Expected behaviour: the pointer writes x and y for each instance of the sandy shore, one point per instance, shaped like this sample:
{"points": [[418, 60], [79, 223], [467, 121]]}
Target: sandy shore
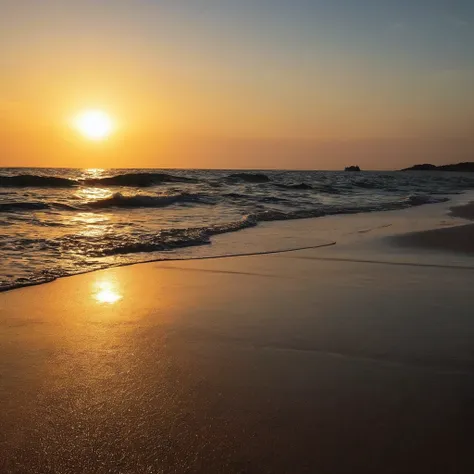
{"points": [[458, 239], [465, 211], [330, 360]]}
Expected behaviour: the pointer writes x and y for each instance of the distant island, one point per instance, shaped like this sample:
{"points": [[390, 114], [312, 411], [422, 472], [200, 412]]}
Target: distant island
{"points": [[352, 168], [467, 166]]}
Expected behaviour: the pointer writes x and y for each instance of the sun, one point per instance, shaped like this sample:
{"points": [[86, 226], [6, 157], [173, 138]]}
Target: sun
{"points": [[93, 124]]}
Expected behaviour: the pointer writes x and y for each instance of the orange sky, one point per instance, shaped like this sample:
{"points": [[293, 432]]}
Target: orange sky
{"points": [[229, 87]]}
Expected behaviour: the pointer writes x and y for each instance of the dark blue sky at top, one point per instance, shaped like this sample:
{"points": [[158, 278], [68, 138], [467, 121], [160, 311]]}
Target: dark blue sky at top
{"points": [[435, 33]]}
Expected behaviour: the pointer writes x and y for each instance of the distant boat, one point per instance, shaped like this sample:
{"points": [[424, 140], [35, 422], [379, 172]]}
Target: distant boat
{"points": [[352, 168]]}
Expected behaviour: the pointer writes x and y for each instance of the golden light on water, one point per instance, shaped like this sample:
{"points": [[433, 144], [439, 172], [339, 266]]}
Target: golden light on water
{"points": [[93, 172], [93, 194], [107, 292], [94, 125]]}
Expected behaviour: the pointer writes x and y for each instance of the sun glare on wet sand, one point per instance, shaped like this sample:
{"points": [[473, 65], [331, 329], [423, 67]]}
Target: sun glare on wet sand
{"points": [[107, 293]]}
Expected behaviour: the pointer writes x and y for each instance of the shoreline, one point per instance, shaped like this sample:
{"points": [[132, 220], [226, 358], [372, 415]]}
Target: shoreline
{"points": [[51, 234], [177, 259], [429, 238]]}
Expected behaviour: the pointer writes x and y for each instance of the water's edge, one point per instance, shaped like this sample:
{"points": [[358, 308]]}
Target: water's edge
{"points": [[177, 259]]}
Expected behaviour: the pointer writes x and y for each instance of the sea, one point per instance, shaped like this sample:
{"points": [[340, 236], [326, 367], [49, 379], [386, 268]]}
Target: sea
{"points": [[59, 222]]}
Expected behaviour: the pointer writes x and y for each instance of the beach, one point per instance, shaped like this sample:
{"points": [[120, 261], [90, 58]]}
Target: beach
{"points": [[355, 356], [236, 237]]}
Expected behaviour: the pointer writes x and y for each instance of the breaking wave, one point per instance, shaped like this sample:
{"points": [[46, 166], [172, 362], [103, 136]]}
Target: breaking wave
{"points": [[33, 206], [138, 180], [119, 200], [300, 186], [249, 177], [420, 199], [34, 181], [126, 179], [166, 240]]}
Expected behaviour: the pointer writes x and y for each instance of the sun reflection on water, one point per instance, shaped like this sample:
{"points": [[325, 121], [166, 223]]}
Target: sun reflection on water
{"points": [[92, 194], [90, 224], [106, 292], [93, 172]]}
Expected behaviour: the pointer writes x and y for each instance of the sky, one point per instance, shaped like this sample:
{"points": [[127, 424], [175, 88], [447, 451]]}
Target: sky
{"points": [[292, 84]]}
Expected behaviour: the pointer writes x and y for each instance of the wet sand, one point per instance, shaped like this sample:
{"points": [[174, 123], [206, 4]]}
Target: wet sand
{"points": [[301, 362], [457, 239], [465, 211]]}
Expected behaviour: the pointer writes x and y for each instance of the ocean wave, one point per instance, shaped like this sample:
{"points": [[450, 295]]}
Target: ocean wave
{"points": [[420, 199], [119, 200], [244, 223], [255, 198], [236, 196], [126, 179], [328, 189], [114, 244], [172, 239], [33, 206], [296, 187], [249, 177], [35, 181], [328, 210], [277, 215], [23, 206], [138, 180], [163, 241], [273, 200], [367, 184]]}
